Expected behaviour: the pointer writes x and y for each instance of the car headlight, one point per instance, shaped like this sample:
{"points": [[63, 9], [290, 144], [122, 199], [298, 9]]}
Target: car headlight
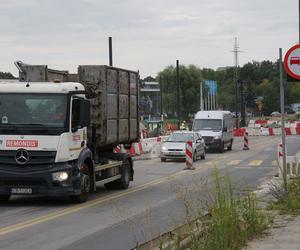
{"points": [[60, 176], [217, 137], [163, 148]]}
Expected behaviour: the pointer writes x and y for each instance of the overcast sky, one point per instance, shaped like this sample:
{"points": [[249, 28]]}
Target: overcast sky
{"points": [[147, 35]]}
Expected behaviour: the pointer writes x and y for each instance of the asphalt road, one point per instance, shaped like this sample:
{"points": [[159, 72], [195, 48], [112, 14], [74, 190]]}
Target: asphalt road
{"points": [[153, 204]]}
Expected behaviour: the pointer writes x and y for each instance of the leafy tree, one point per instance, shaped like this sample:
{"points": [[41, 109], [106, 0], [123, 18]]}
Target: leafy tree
{"points": [[260, 79], [190, 78]]}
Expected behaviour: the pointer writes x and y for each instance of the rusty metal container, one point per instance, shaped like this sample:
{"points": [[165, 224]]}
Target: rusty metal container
{"points": [[114, 106]]}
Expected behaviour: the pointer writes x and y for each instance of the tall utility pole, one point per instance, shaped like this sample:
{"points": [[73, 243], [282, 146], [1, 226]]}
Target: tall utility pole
{"points": [[110, 51], [243, 115], [161, 98], [178, 93], [236, 64]]}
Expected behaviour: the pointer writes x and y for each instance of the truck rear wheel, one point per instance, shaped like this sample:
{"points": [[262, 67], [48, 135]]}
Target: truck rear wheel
{"points": [[4, 198], [125, 179], [122, 183], [85, 186]]}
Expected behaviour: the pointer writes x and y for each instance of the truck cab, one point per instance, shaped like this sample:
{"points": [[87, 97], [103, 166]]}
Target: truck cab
{"points": [[48, 147]]}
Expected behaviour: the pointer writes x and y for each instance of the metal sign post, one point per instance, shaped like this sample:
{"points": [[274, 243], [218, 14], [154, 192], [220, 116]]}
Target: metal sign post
{"points": [[282, 121]]}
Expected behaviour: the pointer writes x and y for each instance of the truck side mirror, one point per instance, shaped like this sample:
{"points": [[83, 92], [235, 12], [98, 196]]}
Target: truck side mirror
{"points": [[225, 129], [85, 107]]}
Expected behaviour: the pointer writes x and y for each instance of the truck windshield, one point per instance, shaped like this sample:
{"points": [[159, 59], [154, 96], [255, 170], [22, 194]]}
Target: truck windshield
{"points": [[208, 124], [33, 110]]}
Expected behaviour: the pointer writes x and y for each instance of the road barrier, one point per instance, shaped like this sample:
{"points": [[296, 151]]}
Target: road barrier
{"points": [[292, 163], [148, 146], [261, 131], [189, 155], [246, 142], [292, 167]]}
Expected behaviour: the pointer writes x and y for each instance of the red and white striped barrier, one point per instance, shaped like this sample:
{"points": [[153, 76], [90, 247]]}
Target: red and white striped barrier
{"points": [[189, 155], [150, 146], [266, 131], [246, 141]]}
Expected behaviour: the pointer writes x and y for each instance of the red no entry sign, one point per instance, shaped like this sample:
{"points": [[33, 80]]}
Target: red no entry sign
{"points": [[292, 61]]}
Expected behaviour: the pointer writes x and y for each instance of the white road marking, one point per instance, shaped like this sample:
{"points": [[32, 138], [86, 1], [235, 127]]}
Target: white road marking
{"points": [[234, 162], [255, 163]]}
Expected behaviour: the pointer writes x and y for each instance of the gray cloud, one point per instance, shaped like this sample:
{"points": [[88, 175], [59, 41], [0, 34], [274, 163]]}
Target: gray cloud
{"points": [[147, 35]]}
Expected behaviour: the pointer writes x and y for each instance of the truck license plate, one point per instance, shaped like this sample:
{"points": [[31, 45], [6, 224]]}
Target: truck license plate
{"points": [[21, 190]]}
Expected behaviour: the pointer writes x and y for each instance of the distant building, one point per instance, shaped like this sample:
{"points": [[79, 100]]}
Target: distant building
{"points": [[149, 98]]}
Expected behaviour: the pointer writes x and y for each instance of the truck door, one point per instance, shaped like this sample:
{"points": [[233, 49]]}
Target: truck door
{"points": [[78, 133]]}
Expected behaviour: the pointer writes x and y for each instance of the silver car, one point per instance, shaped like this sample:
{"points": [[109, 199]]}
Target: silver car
{"points": [[174, 147]]}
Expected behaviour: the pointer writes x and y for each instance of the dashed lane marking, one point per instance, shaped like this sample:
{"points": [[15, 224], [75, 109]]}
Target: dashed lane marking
{"points": [[255, 163], [234, 162], [213, 162]]}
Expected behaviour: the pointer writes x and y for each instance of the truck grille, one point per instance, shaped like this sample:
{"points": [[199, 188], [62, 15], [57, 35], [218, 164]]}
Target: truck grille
{"points": [[36, 159], [22, 182]]}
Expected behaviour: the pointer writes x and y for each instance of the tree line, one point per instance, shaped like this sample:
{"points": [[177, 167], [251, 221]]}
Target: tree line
{"points": [[260, 83]]}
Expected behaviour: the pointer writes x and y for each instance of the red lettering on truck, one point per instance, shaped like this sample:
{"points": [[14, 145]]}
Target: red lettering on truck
{"points": [[22, 143]]}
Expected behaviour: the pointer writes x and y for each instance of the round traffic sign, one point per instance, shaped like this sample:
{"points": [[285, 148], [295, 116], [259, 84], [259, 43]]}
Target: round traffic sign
{"points": [[292, 61]]}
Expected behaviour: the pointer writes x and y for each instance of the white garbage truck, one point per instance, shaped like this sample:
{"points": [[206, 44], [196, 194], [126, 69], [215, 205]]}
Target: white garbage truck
{"points": [[58, 130]]}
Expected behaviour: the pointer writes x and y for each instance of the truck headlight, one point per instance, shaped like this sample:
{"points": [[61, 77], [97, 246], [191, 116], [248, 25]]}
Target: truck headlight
{"points": [[60, 176], [217, 137]]}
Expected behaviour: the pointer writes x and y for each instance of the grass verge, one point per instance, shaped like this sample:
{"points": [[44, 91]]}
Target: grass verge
{"points": [[287, 202], [233, 219]]}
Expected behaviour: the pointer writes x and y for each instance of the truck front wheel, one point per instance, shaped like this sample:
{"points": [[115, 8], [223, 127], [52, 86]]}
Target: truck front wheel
{"points": [[85, 186]]}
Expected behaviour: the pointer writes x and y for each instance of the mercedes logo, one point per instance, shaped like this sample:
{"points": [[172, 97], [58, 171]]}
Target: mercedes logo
{"points": [[22, 156]]}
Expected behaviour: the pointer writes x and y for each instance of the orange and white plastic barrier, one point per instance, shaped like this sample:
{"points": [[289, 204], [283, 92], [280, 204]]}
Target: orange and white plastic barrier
{"points": [[189, 155]]}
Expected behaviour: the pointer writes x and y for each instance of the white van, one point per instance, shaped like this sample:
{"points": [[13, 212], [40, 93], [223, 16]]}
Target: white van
{"points": [[216, 128]]}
